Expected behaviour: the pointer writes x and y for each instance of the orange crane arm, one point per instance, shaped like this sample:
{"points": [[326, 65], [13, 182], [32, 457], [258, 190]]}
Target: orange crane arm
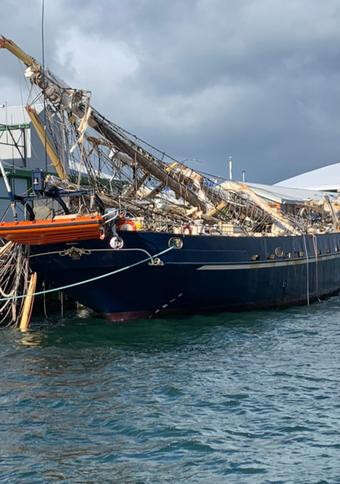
{"points": [[15, 50]]}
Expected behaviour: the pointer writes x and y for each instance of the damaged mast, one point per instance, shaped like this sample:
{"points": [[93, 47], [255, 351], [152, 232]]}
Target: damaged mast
{"points": [[233, 203]]}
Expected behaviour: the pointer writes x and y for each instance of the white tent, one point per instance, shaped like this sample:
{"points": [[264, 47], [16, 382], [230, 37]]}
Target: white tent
{"points": [[285, 194], [326, 178]]}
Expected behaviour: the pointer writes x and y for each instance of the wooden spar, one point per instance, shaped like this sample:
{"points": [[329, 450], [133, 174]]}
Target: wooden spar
{"points": [[136, 186], [5, 248], [148, 163], [60, 169], [216, 209], [58, 93], [15, 50], [72, 101], [171, 166], [28, 304], [260, 202]]}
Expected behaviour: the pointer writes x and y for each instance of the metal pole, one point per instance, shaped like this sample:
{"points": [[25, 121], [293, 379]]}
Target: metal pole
{"points": [[9, 189], [243, 175]]}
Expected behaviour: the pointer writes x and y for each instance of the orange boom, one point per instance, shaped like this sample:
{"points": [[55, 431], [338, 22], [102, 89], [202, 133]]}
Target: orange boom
{"points": [[64, 228]]}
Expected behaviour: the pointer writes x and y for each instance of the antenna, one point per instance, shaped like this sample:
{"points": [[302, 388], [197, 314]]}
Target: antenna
{"points": [[230, 165]]}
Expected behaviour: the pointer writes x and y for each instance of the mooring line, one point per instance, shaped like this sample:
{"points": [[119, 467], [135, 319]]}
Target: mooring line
{"points": [[92, 279], [307, 268]]}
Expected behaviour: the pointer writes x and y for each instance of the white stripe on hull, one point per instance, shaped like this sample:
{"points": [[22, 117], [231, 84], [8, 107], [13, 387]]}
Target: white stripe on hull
{"points": [[263, 265]]}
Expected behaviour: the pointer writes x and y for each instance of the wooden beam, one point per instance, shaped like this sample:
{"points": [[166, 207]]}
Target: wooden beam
{"points": [[261, 203], [15, 50], [216, 209], [28, 304], [136, 186], [59, 167]]}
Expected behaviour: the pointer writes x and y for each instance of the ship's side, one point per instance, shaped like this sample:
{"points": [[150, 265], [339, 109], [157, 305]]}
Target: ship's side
{"points": [[207, 273]]}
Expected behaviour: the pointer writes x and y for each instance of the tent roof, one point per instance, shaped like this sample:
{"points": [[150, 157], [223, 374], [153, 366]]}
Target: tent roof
{"points": [[325, 178], [289, 195]]}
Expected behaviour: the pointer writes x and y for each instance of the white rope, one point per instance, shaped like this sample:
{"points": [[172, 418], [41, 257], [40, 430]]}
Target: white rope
{"points": [[13, 278], [307, 269], [92, 279], [90, 251], [315, 245]]}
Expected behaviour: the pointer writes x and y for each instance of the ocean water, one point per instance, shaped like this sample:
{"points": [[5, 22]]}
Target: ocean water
{"points": [[236, 398]]}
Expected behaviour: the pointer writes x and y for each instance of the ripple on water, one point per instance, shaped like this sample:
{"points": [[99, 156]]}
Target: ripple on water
{"points": [[249, 397]]}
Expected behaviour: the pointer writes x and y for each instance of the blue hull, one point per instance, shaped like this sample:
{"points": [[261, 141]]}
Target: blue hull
{"points": [[208, 273]]}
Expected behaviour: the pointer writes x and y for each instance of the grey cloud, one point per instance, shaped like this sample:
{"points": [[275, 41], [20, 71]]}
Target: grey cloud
{"points": [[203, 79]]}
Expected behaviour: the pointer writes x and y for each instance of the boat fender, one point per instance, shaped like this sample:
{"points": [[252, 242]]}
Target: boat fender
{"points": [[116, 243], [126, 224], [175, 243], [102, 233]]}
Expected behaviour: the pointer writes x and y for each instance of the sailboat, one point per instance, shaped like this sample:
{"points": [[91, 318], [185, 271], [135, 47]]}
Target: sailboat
{"points": [[163, 238]]}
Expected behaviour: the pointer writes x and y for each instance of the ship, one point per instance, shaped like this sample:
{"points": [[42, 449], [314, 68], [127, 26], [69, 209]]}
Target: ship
{"points": [[143, 235]]}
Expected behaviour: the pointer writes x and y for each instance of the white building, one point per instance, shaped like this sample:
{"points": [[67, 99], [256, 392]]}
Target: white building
{"points": [[20, 145], [20, 150]]}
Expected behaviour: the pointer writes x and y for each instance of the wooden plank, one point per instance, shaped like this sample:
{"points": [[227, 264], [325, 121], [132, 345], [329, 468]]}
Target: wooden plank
{"points": [[261, 203], [28, 304]]}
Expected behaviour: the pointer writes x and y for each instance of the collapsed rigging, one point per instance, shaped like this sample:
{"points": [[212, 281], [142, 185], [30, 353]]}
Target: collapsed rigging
{"points": [[127, 173]]}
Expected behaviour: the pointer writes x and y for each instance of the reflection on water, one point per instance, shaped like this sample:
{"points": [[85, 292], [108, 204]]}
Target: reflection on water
{"points": [[31, 338], [244, 397], [143, 333]]}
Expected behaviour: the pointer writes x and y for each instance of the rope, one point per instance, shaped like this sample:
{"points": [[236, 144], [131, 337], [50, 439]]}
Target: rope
{"points": [[315, 245], [61, 295], [92, 279], [44, 301], [14, 275], [89, 252], [307, 269], [43, 73]]}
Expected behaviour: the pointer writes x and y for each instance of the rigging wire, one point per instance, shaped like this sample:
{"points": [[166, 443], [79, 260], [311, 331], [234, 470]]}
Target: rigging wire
{"points": [[43, 72]]}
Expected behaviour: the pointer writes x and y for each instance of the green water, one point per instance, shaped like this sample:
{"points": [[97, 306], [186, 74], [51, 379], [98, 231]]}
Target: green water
{"points": [[252, 397]]}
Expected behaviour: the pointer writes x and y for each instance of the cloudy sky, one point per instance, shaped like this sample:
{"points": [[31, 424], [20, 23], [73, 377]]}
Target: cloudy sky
{"points": [[203, 79]]}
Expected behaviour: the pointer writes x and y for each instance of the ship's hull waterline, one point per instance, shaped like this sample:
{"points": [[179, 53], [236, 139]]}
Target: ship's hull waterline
{"points": [[207, 273]]}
